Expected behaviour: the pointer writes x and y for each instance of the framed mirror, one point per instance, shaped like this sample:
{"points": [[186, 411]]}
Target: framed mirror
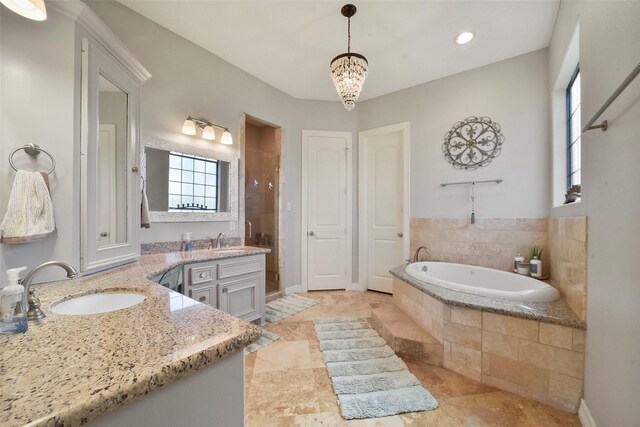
{"points": [[189, 183]]}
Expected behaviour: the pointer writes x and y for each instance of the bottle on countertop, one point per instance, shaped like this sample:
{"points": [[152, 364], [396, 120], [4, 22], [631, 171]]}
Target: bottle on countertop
{"points": [[516, 260], [13, 304], [188, 246], [536, 267]]}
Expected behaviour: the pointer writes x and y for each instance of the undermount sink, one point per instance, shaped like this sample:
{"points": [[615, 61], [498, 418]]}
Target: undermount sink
{"points": [[97, 303]]}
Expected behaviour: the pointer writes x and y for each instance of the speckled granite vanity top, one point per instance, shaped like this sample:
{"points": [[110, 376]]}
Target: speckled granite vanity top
{"points": [[69, 370], [557, 312]]}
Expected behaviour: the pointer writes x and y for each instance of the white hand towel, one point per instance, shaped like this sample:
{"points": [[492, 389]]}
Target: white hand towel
{"points": [[30, 210], [144, 211]]}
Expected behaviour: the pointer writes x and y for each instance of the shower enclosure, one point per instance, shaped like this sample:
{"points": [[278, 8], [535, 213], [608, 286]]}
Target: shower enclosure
{"points": [[262, 170]]}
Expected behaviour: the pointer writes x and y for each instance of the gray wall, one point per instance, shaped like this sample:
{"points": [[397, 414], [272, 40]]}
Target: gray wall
{"points": [[609, 46], [512, 93], [38, 106], [189, 80]]}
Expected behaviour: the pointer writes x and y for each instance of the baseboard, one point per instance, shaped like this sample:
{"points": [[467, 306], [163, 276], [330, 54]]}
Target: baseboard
{"points": [[293, 290], [585, 416], [357, 287]]}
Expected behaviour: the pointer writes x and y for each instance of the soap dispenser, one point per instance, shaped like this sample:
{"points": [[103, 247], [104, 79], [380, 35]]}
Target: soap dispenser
{"points": [[13, 304]]}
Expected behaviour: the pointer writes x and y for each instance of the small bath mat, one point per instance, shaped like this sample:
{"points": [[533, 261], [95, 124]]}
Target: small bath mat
{"points": [[368, 378], [287, 306], [266, 339]]}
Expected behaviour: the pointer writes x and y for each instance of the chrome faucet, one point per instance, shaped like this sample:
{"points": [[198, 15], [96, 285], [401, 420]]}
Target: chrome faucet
{"points": [[35, 312], [221, 240], [415, 256]]}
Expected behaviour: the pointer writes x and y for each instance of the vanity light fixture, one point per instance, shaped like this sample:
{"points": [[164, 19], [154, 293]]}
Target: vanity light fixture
{"points": [[464, 37], [349, 70], [190, 125], [32, 9]]}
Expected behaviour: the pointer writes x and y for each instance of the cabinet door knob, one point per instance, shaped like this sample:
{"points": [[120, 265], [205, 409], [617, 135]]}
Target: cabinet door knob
{"points": [[400, 234], [202, 299], [203, 275], [224, 290], [104, 234]]}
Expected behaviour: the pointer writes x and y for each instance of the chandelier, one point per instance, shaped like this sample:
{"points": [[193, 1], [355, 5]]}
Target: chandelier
{"points": [[349, 70]]}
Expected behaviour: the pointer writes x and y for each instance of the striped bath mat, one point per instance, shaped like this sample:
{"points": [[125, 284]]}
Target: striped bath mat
{"points": [[267, 338], [287, 306], [368, 377]]}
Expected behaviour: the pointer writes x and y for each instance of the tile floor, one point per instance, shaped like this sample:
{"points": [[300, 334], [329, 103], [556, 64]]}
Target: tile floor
{"points": [[287, 383]]}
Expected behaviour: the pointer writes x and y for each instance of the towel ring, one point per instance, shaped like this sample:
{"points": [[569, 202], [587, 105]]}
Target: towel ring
{"points": [[33, 150]]}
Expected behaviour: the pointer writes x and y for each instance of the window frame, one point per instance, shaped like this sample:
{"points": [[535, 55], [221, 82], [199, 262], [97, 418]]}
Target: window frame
{"points": [[570, 139], [215, 186]]}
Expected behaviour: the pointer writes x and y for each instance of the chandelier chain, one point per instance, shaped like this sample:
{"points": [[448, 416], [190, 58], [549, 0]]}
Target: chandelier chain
{"points": [[349, 35]]}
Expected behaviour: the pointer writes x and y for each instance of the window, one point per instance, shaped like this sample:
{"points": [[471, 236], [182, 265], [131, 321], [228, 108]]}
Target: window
{"points": [[573, 130], [193, 183]]}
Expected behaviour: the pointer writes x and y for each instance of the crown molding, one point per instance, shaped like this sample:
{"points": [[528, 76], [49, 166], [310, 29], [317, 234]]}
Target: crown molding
{"points": [[96, 28]]}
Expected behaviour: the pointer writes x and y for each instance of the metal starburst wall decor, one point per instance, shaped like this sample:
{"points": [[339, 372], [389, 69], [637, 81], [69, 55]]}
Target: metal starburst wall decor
{"points": [[473, 143]]}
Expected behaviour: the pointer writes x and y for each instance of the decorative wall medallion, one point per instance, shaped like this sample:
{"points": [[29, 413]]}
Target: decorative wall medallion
{"points": [[473, 143]]}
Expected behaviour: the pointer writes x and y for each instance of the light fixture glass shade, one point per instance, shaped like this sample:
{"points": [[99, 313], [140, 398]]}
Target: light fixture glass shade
{"points": [[226, 138], [189, 127], [349, 72], [209, 133], [32, 9]]}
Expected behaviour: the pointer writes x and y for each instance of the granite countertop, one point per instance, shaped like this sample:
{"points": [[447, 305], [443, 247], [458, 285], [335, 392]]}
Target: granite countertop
{"points": [[68, 370], [557, 312]]}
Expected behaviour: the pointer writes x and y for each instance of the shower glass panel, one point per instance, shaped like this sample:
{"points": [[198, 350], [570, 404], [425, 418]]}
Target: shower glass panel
{"points": [[262, 170]]}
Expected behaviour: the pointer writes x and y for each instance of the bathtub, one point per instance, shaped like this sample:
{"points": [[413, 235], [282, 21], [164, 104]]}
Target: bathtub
{"points": [[483, 281]]}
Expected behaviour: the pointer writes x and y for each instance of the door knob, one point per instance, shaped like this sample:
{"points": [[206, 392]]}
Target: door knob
{"points": [[311, 233], [400, 235], [104, 234]]}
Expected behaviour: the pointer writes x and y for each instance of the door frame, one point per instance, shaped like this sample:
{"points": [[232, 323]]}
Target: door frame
{"points": [[349, 204], [363, 202]]}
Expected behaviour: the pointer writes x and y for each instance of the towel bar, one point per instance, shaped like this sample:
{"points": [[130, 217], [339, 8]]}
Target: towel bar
{"points": [[33, 150]]}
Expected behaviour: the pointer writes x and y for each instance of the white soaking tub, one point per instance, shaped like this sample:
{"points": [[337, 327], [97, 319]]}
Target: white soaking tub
{"points": [[483, 281]]}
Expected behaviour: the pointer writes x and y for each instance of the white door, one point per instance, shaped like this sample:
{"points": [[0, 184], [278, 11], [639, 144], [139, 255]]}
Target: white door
{"points": [[383, 187], [327, 199]]}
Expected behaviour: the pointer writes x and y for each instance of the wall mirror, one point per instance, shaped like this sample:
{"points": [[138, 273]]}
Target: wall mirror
{"points": [[109, 182], [189, 183]]}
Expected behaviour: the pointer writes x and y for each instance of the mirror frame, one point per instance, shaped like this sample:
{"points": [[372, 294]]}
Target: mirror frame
{"points": [[166, 145]]}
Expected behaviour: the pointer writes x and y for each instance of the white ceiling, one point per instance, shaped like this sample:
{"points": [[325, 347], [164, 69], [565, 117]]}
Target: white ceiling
{"points": [[289, 44]]}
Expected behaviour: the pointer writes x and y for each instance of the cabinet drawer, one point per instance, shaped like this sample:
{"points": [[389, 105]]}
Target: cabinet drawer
{"points": [[201, 274], [205, 295], [240, 266]]}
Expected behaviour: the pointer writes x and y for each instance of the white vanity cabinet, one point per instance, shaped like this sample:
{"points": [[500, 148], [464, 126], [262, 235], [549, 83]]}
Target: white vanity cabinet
{"points": [[233, 285]]}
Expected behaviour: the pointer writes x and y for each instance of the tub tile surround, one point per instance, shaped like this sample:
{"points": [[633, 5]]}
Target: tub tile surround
{"points": [[490, 242], [568, 251], [68, 370], [525, 356], [494, 242]]}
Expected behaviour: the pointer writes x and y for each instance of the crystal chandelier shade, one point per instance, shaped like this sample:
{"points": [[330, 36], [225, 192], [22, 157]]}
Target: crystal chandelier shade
{"points": [[349, 70]]}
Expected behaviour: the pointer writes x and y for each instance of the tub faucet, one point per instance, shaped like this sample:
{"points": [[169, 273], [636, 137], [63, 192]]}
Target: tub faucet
{"points": [[417, 254], [35, 312]]}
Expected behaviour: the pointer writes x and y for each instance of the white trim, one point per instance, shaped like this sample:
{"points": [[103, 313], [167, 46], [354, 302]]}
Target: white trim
{"points": [[290, 290], [357, 287], [585, 415], [363, 202], [349, 202], [97, 29], [211, 153]]}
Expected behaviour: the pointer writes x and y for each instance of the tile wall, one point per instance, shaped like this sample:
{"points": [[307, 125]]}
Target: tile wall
{"points": [[538, 360], [568, 251], [490, 242]]}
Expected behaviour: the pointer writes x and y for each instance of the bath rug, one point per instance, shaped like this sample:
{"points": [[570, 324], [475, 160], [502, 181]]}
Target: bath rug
{"points": [[287, 306], [368, 378], [267, 338]]}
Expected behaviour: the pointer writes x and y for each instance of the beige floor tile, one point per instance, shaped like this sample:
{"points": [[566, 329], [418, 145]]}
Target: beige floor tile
{"points": [[287, 383], [287, 355]]}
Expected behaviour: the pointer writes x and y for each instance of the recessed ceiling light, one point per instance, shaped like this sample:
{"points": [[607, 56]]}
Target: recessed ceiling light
{"points": [[464, 38]]}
